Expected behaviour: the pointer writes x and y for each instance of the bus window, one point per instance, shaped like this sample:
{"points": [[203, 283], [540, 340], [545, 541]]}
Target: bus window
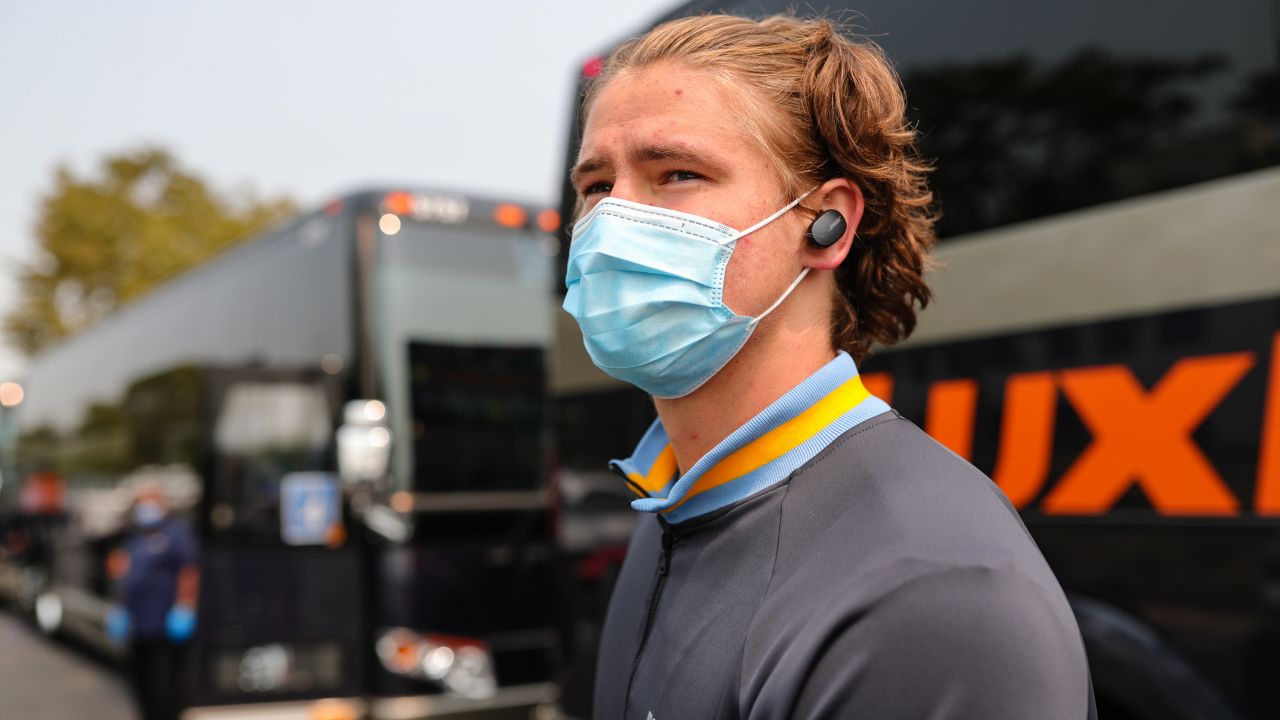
{"points": [[264, 430]]}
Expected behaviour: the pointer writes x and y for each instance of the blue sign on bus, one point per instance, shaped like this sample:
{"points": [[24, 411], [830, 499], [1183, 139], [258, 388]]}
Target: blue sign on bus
{"points": [[310, 507]]}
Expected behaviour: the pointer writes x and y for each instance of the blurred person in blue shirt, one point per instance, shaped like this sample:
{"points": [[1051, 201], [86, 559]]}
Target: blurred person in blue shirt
{"points": [[159, 585]]}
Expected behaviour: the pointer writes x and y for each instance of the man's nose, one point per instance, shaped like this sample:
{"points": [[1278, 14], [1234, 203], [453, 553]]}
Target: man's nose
{"points": [[632, 189]]}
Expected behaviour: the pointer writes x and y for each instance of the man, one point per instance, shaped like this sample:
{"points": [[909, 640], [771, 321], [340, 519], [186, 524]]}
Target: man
{"points": [[160, 584], [753, 219]]}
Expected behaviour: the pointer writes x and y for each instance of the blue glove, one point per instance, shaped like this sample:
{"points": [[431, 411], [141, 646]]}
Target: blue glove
{"points": [[118, 625], [180, 623]]}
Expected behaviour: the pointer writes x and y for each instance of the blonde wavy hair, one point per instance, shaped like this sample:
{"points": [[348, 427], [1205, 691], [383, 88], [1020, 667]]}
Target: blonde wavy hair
{"points": [[823, 106]]}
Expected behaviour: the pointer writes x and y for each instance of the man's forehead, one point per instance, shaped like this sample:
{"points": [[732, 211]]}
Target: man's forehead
{"points": [[660, 135], [657, 101], [666, 113], [662, 84]]}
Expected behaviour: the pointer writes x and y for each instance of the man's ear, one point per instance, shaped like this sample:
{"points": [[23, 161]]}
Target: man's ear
{"points": [[841, 195]]}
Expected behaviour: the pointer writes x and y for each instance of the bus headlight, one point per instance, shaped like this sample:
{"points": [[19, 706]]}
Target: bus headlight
{"points": [[437, 663], [265, 668], [471, 673], [401, 651], [279, 668], [461, 665]]}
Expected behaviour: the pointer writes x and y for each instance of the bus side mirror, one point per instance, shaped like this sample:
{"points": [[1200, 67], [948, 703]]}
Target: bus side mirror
{"points": [[364, 442]]}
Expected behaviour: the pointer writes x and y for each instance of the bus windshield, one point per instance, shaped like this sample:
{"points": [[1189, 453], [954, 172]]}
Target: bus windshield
{"points": [[464, 320]]}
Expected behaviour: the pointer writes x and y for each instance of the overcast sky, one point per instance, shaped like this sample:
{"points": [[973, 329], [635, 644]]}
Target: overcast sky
{"points": [[299, 97]]}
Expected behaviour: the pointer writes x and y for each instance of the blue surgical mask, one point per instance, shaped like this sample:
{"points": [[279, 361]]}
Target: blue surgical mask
{"points": [[147, 514], [646, 286]]}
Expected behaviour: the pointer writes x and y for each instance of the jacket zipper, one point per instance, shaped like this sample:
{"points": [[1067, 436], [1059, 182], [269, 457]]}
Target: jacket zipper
{"points": [[664, 564]]}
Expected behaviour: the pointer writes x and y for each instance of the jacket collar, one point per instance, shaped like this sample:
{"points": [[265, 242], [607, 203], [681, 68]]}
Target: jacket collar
{"points": [[760, 454]]}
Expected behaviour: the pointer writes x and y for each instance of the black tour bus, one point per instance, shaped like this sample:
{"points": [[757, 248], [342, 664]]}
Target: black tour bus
{"points": [[1105, 335], [351, 410]]}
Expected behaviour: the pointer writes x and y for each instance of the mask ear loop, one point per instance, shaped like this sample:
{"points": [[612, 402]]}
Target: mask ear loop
{"points": [[766, 221], [788, 208], [784, 295]]}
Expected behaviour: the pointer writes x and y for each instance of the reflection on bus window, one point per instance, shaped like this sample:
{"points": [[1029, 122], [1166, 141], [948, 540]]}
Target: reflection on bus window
{"points": [[1053, 115], [259, 417], [264, 431]]}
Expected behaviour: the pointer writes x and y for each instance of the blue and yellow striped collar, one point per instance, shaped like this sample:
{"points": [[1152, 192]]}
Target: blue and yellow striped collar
{"points": [[758, 455]]}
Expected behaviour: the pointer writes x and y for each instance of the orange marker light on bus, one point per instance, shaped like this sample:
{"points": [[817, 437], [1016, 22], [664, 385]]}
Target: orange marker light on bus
{"points": [[400, 203], [402, 502], [508, 215], [11, 394], [549, 221]]}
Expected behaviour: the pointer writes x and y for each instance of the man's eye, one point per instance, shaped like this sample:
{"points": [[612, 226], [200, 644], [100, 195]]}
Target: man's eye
{"points": [[683, 175], [597, 187]]}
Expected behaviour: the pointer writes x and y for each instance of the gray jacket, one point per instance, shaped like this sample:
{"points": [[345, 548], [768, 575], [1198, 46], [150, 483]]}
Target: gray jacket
{"points": [[886, 578]]}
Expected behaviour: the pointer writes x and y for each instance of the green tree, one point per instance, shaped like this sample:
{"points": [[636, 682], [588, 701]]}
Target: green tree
{"points": [[105, 240]]}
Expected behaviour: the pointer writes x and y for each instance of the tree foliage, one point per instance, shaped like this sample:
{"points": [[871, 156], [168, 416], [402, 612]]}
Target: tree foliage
{"points": [[108, 239]]}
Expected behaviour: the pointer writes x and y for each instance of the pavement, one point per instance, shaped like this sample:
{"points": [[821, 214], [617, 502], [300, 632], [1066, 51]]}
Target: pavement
{"points": [[43, 679]]}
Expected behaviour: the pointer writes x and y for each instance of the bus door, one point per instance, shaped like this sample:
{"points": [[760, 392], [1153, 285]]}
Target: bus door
{"points": [[281, 609]]}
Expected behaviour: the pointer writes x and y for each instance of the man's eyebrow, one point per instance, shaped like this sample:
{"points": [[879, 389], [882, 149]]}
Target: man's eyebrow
{"points": [[672, 152], [645, 153], [590, 165]]}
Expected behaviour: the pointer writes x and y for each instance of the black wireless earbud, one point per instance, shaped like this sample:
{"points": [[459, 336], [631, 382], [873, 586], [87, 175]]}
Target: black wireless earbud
{"points": [[826, 229]]}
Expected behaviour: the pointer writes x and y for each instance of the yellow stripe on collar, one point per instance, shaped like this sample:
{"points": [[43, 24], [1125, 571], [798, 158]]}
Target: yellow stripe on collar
{"points": [[661, 473]]}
